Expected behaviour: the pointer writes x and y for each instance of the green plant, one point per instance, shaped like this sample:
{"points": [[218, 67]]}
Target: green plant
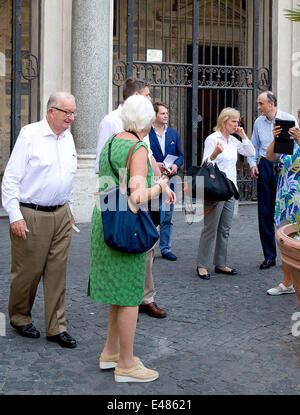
{"points": [[296, 223], [293, 14]]}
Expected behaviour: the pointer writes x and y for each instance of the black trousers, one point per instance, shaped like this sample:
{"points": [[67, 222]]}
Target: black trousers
{"points": [[266, 196]]}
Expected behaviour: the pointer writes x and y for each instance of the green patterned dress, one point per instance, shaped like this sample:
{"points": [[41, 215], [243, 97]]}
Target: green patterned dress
{"points": [[115, 277]]}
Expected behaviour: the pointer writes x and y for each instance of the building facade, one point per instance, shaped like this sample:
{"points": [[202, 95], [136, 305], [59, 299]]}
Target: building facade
{"points": [[198, 55]]}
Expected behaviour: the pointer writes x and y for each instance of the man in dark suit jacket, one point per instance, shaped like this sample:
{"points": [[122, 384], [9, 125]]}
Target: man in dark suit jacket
{"points": [[164, 141]]}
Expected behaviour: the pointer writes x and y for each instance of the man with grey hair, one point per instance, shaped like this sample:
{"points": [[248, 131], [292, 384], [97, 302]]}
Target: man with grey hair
{"points": [[36, 193], [266, 173]]}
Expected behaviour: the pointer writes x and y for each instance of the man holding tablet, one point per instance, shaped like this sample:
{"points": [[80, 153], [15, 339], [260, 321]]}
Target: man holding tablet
{"points": [[266, 172]]}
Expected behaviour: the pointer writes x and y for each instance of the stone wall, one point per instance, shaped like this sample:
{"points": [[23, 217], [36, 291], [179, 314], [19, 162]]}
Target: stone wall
{"points": [[286, 58]]}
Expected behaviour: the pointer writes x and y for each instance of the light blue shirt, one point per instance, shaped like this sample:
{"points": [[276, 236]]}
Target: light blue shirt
{"points": [[262, 134]]}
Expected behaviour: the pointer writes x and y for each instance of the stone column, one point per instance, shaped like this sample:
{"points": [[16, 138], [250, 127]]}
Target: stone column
{"points": [[92, 40], [286, 58], [56, 48]]}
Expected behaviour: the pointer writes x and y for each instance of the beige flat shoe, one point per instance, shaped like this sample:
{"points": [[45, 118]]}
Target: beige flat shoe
{"points": [[137, 373], [110, 362]]}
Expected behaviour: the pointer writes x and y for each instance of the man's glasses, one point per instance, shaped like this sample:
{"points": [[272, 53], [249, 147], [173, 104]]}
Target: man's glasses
{"points": [[68, 113]]}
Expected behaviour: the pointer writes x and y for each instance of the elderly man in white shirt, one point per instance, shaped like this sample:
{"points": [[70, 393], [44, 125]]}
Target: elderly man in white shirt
{"points": [[36, 193], [112, 124]]}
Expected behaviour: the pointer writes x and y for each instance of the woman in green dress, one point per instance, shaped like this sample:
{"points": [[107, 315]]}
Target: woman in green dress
{"points": [[117, 278]]}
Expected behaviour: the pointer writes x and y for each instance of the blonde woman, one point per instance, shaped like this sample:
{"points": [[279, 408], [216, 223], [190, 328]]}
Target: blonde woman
{"points": [[222, 148]]}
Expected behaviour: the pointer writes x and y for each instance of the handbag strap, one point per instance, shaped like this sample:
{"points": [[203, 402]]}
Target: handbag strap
{"points": [[193, 210], [123, 182]]}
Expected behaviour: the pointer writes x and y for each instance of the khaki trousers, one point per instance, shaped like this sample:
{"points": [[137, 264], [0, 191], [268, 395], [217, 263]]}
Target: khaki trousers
{"points": [[43, 253], [149, 291]]}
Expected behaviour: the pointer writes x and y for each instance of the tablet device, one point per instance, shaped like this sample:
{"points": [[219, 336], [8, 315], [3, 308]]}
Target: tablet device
{"points": [[284, 143]]}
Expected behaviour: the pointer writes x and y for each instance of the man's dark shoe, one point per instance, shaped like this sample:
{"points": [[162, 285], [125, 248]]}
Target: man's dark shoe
{"points": [[63, 339], [268, 263], [152, 310], [27, 331], [169, 255]]}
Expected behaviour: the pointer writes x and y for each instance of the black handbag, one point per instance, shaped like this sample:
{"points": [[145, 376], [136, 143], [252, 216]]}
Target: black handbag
{"points": [[217, 187], [126, 228]]}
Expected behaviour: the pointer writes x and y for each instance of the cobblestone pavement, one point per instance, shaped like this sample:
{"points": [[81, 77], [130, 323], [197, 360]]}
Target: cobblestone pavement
{"points": [[223, 336]]}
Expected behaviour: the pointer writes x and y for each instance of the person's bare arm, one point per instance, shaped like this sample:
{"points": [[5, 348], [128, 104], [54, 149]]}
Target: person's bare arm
{"points": [[139, 192], [218, 150], [156, 168], [270, 155], [295, 132]]}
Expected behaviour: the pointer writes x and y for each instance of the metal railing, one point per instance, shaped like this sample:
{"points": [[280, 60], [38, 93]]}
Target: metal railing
{"points": [[213, 54]]}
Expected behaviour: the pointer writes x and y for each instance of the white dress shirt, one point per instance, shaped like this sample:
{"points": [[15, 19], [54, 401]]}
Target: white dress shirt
{"points": [[226, 161], [161, 138], [111, 124], [40, 170]]}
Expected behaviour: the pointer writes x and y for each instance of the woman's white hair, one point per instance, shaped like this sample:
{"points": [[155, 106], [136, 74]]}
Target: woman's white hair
{"points": [[137, 113]]}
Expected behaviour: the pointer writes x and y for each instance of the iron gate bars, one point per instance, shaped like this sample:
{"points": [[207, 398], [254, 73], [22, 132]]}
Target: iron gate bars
{"points": [[25, 66], [194, 149], [16, 71], [205, 55]]}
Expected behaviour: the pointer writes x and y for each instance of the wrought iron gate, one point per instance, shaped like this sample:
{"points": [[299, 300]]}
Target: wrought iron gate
{"points": [[25, 64], [199, 56], [20, 45]]}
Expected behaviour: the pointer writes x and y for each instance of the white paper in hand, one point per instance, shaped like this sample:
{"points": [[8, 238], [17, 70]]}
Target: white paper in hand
{"points": [[168, 161]]}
